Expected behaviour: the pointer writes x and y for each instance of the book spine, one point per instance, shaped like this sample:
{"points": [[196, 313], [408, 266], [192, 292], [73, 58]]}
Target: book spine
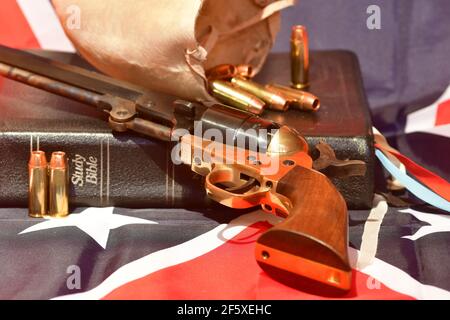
{"points": [[104, 170], [125, 170]]}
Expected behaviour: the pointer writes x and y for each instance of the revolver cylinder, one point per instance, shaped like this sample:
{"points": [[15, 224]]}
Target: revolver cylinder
{"points": [[243, 127]]}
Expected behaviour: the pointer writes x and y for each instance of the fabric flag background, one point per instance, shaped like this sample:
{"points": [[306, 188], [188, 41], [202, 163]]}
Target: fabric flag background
{"points": [[115, 253], [32, 24], [179, 254]]}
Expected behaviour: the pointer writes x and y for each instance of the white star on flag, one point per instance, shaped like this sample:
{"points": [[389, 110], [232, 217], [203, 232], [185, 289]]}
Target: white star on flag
{"points": [[96, 222], [438, 223]]}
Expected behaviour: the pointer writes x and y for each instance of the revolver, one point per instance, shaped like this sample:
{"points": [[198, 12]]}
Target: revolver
{"points": [[260, 164]]}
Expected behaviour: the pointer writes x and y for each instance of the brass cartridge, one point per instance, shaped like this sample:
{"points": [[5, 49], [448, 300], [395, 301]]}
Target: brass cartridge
{"points": [[58, 185], [244, 70], [235, 97], [299, 57], [221, 72], [228, 71], [298, 99], [274, 100], [38, 185]]}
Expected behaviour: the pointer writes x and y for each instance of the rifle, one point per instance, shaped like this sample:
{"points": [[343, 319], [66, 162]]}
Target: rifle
{"points": [[261, 163]]}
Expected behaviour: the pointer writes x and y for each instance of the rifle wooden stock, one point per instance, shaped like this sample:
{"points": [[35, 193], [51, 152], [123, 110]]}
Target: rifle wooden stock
{"points": [[312, 241]]}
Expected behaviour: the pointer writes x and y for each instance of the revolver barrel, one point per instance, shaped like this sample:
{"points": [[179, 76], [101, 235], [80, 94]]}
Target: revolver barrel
{"points": [[50, 85]]}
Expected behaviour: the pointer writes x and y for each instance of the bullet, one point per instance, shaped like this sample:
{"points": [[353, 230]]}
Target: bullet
{"points": [[274, 100], [221, 72], [38, 183], [298, 99], [58, 185], [235, 97], [299, 57], [244, 71]]}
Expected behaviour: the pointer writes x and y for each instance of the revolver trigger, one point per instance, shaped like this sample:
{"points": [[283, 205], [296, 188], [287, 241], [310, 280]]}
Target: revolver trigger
{"points": [[229, 180], [247, 186]]}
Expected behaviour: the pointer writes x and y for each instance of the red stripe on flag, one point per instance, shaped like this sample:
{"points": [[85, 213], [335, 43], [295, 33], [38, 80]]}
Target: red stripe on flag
{"points": [[443, 113], [14, 28], [231, 272], [429, 179]]}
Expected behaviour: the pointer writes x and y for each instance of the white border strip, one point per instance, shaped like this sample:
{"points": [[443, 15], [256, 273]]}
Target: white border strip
{"points": [[45, 25], [390, 276]]}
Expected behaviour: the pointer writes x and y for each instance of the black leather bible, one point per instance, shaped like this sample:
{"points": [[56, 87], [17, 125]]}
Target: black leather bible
{"points": [[112, 169]]}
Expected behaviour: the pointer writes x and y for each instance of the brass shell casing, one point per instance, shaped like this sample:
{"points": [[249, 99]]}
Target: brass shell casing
{"points": [[298, 99], [299, 57], [274, 100], [58, 185], [236, 97], [221, 72], [244, 70], [38, 185], [228, 71]]}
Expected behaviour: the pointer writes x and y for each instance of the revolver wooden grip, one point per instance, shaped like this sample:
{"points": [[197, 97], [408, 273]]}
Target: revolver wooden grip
{"points": [[312, 241]]}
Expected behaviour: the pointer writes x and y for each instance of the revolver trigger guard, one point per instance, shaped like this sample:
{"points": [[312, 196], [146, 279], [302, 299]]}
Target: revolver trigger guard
{"points": [[246, 193], [243, 193]]}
